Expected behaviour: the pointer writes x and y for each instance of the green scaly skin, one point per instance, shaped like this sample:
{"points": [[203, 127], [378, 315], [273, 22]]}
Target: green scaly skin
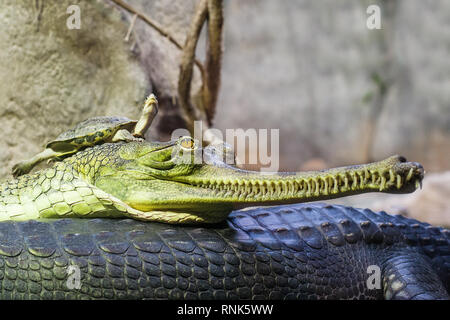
{"points": [[146, 181]]}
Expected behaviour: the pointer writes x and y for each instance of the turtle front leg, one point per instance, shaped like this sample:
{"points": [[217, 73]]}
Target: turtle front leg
{"points": [[26, 166], [148, 114], [124, 135]]}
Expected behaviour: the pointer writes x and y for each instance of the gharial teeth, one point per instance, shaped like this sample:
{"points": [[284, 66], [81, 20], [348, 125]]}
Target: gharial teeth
{"points": [[392, 175], [399, 181], [336, 185], [383, 183], [418, 184], [325, 187], [410, 174]]}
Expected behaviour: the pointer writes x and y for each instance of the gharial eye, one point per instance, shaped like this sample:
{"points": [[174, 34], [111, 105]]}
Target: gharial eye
{"points": [[187, 143]]}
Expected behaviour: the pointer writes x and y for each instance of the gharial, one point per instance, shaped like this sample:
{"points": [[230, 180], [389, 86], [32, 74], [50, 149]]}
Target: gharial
{"points": [[167, 182], [298, 251]]}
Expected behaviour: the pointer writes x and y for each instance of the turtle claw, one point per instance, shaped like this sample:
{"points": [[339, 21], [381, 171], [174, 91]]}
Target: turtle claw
{"points": [[51, 161], [134, 139], [20, 169]]}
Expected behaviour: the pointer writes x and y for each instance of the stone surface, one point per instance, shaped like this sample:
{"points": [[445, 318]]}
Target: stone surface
{"points": [[54, 77], [314, 70]]}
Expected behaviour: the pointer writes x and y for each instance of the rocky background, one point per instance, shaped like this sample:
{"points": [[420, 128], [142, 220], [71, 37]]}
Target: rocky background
{"points": [[339, 92], [53, 77], [315, 71]]}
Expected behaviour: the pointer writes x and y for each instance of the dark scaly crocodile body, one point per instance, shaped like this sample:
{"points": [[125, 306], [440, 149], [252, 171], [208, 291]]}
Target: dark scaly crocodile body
{"points": [[304, 251]]}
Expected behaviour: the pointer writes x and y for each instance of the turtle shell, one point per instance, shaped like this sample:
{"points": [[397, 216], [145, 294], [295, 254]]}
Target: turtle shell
{"points": [[90, 132]]}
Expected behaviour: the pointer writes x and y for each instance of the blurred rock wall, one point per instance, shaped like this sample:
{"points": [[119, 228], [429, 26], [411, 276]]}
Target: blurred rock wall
{"points": [[53, 77], [315, 71]]}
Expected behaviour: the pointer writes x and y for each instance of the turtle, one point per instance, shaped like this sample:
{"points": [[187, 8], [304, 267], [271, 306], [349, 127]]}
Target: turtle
{"points": [[92, 132]]}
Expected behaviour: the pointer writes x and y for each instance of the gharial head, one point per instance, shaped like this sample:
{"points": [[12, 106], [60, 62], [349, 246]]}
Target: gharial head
{"points": [[180, 176], [162, 159]]}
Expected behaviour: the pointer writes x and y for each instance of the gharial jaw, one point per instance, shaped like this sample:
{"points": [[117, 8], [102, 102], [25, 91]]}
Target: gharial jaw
{"points": [[244, 188]]}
